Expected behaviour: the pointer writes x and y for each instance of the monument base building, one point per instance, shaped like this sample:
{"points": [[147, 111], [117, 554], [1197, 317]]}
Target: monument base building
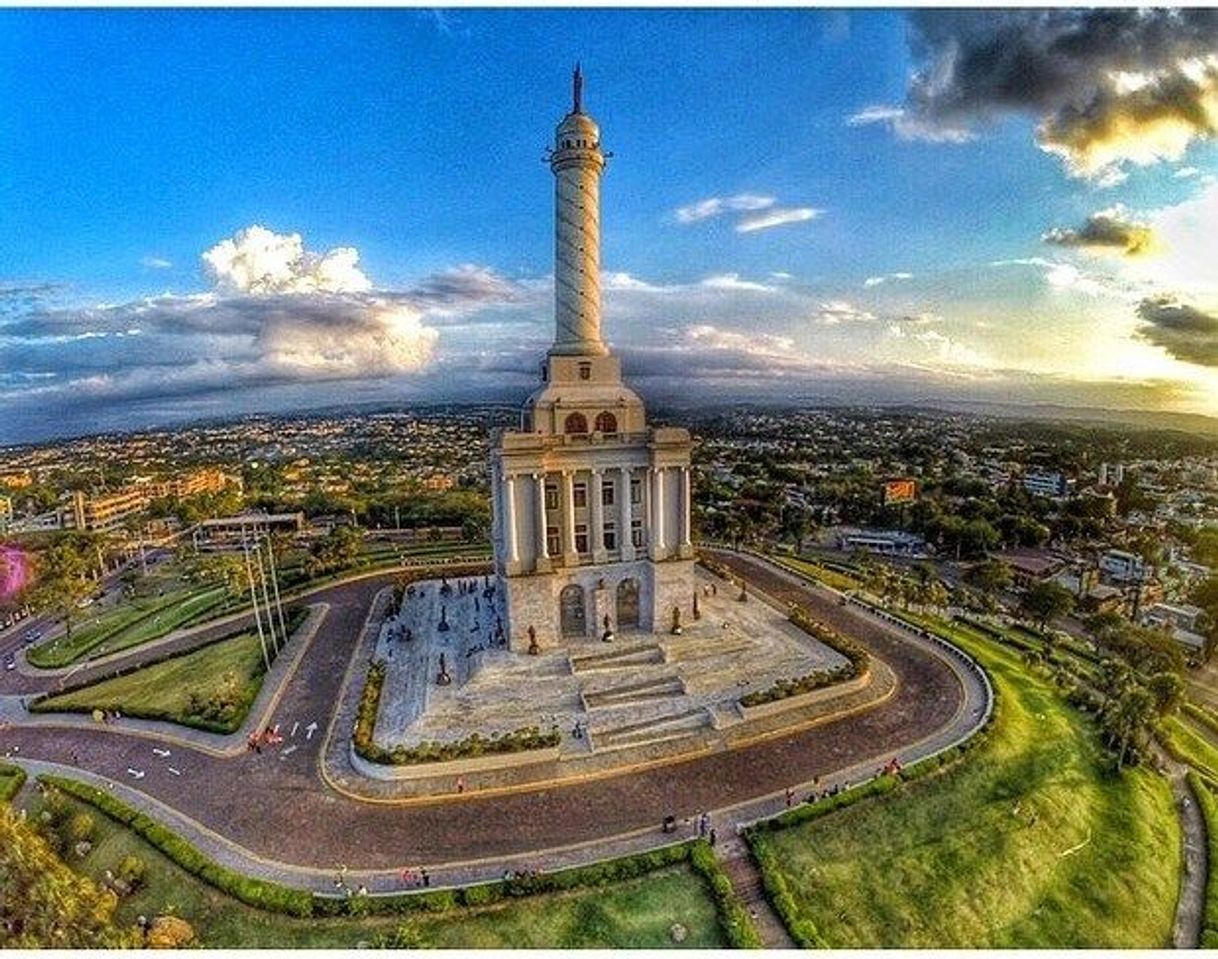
{"points": [[591, 530]]}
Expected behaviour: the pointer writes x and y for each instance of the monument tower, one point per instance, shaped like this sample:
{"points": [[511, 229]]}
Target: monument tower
{"points": [[591, 507]]}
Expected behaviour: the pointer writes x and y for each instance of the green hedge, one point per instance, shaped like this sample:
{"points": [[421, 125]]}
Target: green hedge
{"points": [[12, 778], [734, 919], [1204, 791], [253, 892]]}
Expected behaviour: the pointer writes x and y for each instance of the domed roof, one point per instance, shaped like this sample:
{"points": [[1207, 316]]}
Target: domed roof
{"points": [[579, 124]]}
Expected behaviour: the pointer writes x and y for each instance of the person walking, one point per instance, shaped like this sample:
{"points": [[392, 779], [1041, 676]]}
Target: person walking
{"points": [[790, 796]]}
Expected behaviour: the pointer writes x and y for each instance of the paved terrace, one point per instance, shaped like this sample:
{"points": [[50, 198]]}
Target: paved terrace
{"points": [[273, 815]]}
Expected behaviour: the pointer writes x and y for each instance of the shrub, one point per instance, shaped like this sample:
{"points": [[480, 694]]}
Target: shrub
{"points": [[81, 827], [733, 917], [253, 892], [12, 778], [1208, 802], [131, 870]]}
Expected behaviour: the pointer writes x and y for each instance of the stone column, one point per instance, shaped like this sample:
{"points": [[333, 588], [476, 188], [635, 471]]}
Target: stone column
{"points": [[509, 517], [597, 513], [657, 511], [542, 564], [686, 511], [570, 556], [625, 516]]}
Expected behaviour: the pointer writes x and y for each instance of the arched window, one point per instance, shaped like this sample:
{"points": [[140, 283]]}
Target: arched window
{"points": [[575, 423], [606, 422]]}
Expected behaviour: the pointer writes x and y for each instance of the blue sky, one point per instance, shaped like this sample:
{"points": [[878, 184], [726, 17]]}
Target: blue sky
{"points": [[134, 142]]}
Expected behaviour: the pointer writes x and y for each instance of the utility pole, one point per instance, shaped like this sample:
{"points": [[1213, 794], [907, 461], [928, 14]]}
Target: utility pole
{"points": [[270, 552], [266, 598], [249, 572]]}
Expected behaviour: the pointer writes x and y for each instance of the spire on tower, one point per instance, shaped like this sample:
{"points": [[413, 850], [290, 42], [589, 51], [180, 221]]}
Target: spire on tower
{"points": [[577, 86]]}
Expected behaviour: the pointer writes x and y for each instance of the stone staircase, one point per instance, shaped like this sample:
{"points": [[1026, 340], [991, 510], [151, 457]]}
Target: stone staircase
{"points": [[654, 729], [621, 657], [626, 694], [746, 882]]}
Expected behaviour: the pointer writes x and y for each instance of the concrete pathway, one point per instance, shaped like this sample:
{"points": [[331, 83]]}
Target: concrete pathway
{"points": [[1190, 904], [737, 862]]}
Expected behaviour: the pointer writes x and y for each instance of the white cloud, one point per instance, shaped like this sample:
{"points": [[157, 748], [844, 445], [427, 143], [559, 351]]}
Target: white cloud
{"points": [[732, 281], [718, 205], [776, 216], [1185, 172], [907, 126], [258, 261], [156, 263], [835, 312], [886, 278]]}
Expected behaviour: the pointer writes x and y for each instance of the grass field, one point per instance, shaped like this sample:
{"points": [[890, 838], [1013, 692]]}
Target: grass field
{"points": [[1188, 743], [1029, 842], [129, 624], [228, 672], [633, 914], [11, 780], [830, 577]]}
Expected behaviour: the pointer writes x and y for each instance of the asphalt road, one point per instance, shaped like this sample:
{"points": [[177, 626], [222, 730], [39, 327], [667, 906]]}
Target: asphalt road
{"points": [[278, 807]]}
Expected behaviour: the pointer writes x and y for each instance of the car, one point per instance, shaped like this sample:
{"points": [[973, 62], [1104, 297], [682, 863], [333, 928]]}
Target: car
{"points": [[10, 663]]}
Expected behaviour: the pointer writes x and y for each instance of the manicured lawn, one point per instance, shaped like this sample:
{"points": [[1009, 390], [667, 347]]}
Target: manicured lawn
{"points": [[1029, 842], [130, 624], [632, 914], [11, 779], [1188, 743], [830, 577], [228, 672]]}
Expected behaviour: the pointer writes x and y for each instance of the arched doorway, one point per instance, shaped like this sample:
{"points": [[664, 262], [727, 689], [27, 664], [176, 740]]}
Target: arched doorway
{"points": [[572, 611], [628, 604]]}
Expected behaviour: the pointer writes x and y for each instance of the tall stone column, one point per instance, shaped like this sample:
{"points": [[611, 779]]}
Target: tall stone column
{"points": [[687, 531], [542, 564], [625, 516], [570, 556], [597, 512], [509, 517], [657, 513]]}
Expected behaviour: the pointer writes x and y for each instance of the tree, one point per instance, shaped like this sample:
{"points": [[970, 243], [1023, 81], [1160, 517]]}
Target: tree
{"points": [[336, 550], [62, 577], [1046, 601], [44, 904], [991, 577], [1128, 717]]}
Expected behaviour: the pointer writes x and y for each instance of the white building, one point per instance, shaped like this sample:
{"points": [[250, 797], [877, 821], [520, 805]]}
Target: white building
{"points": [[591, 506], [1122, 566], [1040, 483]]}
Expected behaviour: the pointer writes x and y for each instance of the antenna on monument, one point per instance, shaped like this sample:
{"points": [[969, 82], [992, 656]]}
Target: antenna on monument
{"points": [[577, 89]]}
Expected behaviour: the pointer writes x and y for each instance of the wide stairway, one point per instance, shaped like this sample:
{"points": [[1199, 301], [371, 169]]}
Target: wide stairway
{"points": [[633, 697]]}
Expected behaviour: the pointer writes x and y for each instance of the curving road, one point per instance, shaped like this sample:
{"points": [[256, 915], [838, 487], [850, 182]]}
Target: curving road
{"points": [[276, 807]]}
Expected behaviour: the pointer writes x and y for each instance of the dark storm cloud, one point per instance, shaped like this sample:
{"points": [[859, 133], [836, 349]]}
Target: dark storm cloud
{"points": [[1062, 66], [1187, 333], [1108, 230]]}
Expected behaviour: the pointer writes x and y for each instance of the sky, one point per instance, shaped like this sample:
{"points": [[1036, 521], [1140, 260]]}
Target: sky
{"points": [[206, 213]]}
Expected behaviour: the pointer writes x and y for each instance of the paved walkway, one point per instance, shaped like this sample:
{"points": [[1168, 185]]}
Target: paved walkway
{"points": [[1190, 904], [271, 815], [745, 877]]}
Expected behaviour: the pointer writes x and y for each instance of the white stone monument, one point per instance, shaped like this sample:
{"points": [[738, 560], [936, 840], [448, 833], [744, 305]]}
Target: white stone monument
{"points": [[591, 506]]}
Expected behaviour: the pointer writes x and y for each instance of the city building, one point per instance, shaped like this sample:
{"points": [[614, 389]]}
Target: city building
{"points": [[1030, 566], [886, 542], [592, 529], [1122, 566], [106, 511], [1043, 483], [227, 531]]}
